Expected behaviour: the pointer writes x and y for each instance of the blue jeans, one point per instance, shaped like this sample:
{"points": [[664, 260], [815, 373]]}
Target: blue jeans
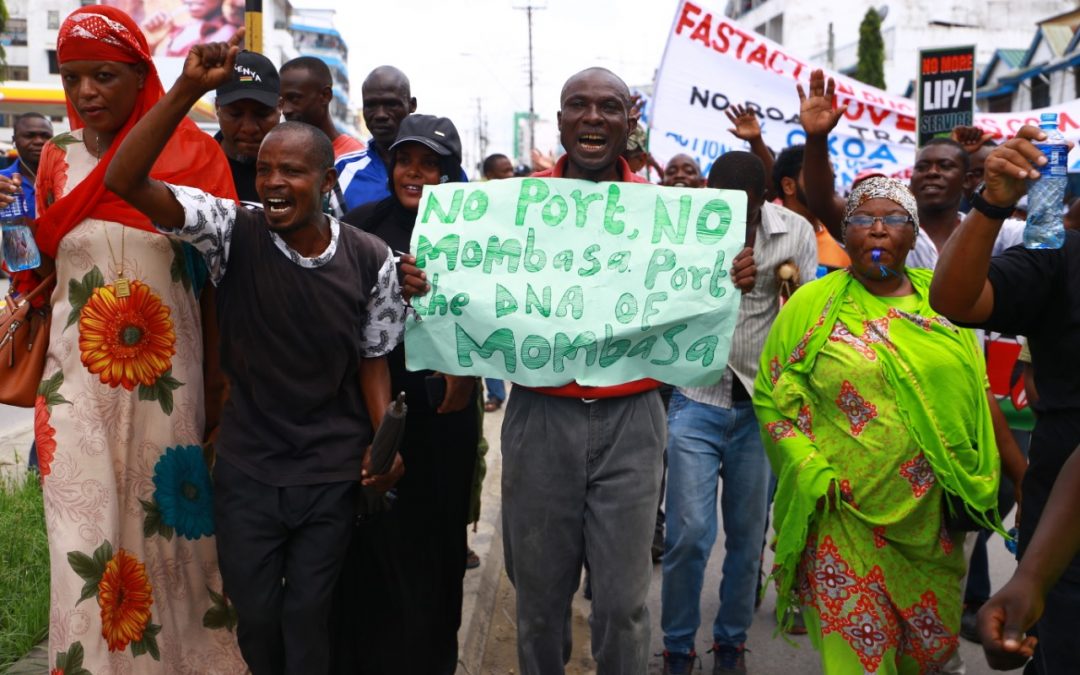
{"points": [[706, 442], [495, 388]]}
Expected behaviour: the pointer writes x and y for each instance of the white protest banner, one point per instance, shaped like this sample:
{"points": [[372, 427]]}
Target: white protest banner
{"points": [[711, 62], [544, 281]]}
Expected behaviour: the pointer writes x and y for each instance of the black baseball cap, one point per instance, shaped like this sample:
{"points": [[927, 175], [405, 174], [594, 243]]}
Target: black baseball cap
{"points": [[254, 77], [437, 133]]}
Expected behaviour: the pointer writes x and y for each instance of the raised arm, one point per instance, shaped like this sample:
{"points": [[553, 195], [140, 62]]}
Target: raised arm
{"points": [[207, 66], [819, 116], [960, 289], [747, 128]]}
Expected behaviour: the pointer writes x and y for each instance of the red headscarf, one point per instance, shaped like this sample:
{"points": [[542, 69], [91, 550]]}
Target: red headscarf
{"points": [[191, 157]]}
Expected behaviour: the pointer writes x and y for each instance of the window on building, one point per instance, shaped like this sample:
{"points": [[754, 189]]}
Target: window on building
{"points": [[16, 73], [54, 65], [53, 21], [1000, 104], [1040, 91], [14, 34], [774, 29]]}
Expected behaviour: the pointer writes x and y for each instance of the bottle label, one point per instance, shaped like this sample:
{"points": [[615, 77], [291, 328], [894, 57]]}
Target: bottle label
{"points": [[1057, 155]]}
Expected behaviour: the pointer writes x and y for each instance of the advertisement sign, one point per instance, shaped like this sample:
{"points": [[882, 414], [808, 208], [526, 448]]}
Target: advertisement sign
{"points": [[946, 89]]}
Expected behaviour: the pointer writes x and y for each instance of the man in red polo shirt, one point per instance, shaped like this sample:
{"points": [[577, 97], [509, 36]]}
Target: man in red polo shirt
{"points": [[581, 465]]}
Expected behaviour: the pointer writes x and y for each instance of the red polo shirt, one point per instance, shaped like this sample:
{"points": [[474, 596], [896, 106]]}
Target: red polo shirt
{"points": [[575, 390]]}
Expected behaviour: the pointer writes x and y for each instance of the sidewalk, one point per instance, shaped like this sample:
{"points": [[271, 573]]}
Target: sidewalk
{"points": [[482, 584]]}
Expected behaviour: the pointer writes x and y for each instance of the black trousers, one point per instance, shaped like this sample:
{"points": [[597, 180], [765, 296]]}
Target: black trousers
{"points": [[281, 550], [398, 602]]}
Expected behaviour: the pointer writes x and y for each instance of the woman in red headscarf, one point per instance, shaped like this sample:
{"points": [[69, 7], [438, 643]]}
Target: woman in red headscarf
{"points": [[119, 416]]}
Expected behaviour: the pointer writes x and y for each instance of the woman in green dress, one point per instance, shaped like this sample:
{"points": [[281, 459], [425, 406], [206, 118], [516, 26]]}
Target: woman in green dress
{"points": [[873, 410]]}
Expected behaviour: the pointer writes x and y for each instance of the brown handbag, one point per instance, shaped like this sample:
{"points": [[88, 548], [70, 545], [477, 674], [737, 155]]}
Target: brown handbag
{"points": [[24, 339]]}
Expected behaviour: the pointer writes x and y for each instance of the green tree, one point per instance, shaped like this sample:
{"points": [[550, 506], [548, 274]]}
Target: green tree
{"points": [[3, 27], [871, 66]]}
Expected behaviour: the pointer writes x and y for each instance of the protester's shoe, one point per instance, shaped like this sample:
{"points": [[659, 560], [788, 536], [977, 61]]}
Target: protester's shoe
{"points": [[968, 623], [797, 626], [472, 561], [492, 404], [729, 660], [678, 664]]}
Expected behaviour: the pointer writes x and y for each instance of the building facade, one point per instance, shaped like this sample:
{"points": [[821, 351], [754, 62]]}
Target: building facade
{"points": [[823, 33], [31, 79]]}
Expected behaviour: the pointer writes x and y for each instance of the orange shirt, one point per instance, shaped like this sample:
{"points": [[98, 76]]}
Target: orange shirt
{"points": [[829, 251]]}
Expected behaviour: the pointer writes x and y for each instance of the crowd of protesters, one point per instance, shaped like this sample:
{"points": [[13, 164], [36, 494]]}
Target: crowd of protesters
{"points": [[210, 396]]}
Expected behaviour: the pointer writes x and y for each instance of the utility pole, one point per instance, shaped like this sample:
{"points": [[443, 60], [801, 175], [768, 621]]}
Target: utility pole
{"points": [[253, 24], [481, 133], [529, 8]]}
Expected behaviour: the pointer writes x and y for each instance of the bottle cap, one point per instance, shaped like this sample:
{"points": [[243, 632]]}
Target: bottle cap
{"points": [[1048, 120]]}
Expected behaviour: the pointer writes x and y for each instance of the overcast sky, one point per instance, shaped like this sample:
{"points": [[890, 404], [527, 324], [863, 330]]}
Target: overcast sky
{"points": [[455, 51]]}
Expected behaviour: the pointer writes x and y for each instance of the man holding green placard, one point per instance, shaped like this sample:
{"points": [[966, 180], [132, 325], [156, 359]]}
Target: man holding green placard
{"points": [[582, 464]]}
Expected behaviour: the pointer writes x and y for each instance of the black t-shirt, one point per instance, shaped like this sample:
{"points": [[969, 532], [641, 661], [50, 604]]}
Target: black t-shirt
{"points": [[389, 221], [1037, 294], [291, 342]]}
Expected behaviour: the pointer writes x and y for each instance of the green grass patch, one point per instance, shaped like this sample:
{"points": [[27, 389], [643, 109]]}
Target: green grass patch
{"points": [[24, 569]]}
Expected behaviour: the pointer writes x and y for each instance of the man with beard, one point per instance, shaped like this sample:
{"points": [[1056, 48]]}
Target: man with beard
{"points": [[247, 109]]}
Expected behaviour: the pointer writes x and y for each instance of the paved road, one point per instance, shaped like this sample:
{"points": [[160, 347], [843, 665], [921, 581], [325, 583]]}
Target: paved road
{"points": [[769, 655]]}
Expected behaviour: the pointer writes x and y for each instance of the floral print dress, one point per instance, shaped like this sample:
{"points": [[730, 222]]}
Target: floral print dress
{"points": [[880, 577], [118, 423], [881, 403]]}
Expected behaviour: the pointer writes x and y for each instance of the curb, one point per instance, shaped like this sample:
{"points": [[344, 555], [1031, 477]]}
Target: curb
{"points": [[482, 584]]}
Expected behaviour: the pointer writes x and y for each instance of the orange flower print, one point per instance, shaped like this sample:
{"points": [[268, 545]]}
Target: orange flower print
{"points": [[44, 436], [124, 595], [126, 341]]}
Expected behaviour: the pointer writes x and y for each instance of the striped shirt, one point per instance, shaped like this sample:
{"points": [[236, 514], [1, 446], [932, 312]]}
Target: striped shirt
{"points": [[782, 236]]}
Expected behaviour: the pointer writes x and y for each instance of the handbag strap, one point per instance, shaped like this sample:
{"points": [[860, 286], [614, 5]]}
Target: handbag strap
{"points": [[45, 284]]}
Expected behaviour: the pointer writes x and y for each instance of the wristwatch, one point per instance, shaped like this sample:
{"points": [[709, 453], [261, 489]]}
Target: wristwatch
{"points": [[986, 208]]}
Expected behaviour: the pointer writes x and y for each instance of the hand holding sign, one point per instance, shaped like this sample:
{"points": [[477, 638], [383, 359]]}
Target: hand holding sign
{"points": [[818, 112]]}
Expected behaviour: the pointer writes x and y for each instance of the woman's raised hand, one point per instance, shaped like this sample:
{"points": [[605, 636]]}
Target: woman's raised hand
{"points": [[817, 111], [210, 65]]}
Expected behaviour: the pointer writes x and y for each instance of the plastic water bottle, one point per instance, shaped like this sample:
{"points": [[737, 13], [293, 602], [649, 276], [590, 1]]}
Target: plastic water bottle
{"points": [[20, 249], [1046, 195]]}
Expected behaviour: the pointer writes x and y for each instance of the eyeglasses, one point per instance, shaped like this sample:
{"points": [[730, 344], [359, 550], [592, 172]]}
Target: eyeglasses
{"points": [[894, 220]]}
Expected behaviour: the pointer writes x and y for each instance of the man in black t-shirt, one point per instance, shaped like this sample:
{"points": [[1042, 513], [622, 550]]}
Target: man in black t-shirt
{"points": [[1035, 293], [308, 310]]}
